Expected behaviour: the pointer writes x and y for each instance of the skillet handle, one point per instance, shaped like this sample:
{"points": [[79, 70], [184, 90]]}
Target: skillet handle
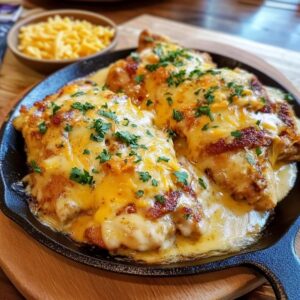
{"points": [[281, 265]]}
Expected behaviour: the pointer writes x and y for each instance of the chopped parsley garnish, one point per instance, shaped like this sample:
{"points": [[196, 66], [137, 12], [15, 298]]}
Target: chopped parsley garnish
{"points": [[250, 159], [160, 198], [77, 94], [133, 125], [171, 133], [187, 216], [125, 122], [35, 167], [163, 158], [197, 92], [170, 100], [128, 138], [143, 147], [101, 129], [237, 134], [144, 176], [205, 127], [263, 100], [83, 107], [139, 193], [95, 171], [202, 183], [258, 151], [86, 152], [119, 154], [175, 79], [139, 78], [149, 102], [104, 87], [181, 177], [288, 97], [135, 56], [148, 132], [238, 90], [204, 111], [42, 127], [152, 67], [214, 72], [55, 108], [68, 128], [104, 156], [209, 95], [154, 182], [81, 176], [177, 115], [104, 105], [138, 159], [196, 73], [108, 114], [258, 122]]}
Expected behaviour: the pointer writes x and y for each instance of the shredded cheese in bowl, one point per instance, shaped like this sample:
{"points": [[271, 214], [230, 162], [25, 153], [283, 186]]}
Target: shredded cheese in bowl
{"points": [[63, 38]]}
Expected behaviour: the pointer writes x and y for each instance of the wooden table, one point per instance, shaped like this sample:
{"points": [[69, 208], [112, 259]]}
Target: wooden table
{"points": [[236, 17]]}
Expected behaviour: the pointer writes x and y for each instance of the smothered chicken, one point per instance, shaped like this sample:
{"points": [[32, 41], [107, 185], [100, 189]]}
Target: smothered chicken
{"points": [[234, 129], [104, 173]]}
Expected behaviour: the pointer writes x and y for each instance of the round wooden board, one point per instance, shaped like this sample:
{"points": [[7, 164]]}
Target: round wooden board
{"points": [[40, 273]]}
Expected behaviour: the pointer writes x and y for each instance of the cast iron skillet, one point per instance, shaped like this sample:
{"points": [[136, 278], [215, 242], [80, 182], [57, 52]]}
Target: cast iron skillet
{"points": [[273, 255]]}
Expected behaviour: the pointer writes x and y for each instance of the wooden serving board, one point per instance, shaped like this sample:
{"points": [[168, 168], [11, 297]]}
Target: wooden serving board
{"points": [[42, 274]]}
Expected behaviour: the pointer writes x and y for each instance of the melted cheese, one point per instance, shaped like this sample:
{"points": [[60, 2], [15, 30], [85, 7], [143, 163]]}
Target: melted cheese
{"points": [[72, 206]]}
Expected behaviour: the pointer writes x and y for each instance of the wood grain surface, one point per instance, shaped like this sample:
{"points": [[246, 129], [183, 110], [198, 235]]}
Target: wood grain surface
{"points": [[41, 274]]}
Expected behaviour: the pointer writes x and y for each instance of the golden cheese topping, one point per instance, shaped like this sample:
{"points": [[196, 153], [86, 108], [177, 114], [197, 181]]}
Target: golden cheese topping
{"points": [[103, 173], [190, 165]]}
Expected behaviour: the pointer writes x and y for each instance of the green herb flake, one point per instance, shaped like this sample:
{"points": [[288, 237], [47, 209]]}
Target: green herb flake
{"points": [[237, 134], [128, 138], [77, 94], [187, 216], [35, 167], [181, 177], [108, 114], [205, 127], [163, 158], [170, 100], [55, 108], [149, 133], [258, 122], [149, 102], [160, 199], [68, 128], [139, 193], [209, 95], [86, 152], [135, 56], [81, 176], [101, 128], [197, 92], [144, 176], [263, 100], [125, 122], [42, 127], [202, 183], [177, 115], [104, 156], [83, 107], [204, 110], [139, 78], [288, 97], [171, 133], [95, 171], [152, 67], [154, 182], [258, 151]]}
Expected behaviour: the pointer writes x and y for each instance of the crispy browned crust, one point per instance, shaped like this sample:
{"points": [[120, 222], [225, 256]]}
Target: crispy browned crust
{"points": [[250, 138]]}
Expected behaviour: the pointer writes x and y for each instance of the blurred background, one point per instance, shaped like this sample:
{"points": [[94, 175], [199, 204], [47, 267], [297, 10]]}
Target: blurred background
{"points": [[276, 22]]}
